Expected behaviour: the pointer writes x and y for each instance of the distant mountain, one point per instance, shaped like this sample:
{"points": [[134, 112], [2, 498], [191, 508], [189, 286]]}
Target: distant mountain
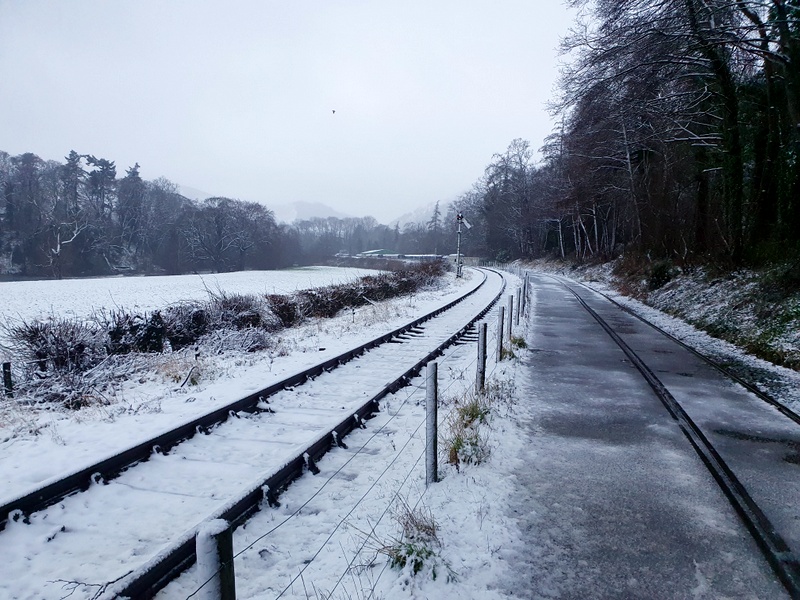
{"points": [[192, 193], [420, 215], [300, 210]]}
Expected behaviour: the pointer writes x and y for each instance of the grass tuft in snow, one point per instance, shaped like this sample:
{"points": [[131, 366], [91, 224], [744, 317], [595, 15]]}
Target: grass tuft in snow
{"points": [[466, 442], [417, 550]]}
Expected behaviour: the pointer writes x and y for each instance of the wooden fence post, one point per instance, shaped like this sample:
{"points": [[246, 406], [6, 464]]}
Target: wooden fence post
{"points": [[8, 386], [431, 418], [519, 306], [510, 312], [481, 375], [525, 294], [500, 334], [214, 544]]}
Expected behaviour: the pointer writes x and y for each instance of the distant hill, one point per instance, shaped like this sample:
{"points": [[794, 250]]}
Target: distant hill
{"points": [[192, 193], [300, 210], [420, 215]]}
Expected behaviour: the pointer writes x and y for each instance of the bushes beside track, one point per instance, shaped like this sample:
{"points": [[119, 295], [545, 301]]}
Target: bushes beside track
{"points": [[62, 345]]}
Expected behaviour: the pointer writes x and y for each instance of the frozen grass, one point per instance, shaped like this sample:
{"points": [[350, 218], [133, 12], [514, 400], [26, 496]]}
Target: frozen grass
{"points": [[416, 551], [470, 414]]}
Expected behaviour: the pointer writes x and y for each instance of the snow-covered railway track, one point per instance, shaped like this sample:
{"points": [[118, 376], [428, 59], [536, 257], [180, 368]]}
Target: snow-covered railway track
{"points": [[749, 443], [157, 493]]}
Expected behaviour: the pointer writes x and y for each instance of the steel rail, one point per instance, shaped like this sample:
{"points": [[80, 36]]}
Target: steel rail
{"points": [[110, 467], [785, 410], [154, 575], [775, 549]]}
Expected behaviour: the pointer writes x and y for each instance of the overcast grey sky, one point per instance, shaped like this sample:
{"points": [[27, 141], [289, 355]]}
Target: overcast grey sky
{"points": [[236, 98]]}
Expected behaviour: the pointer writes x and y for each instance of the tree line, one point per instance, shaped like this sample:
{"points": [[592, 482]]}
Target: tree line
{"points": [[78, 218], [678, 137]]}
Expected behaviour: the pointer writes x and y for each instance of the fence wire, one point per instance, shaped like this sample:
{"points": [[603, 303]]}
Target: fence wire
{"points": [[414, 389]]}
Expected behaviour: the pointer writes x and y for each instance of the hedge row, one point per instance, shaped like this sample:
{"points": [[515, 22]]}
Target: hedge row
{"points": [[65, 345]]}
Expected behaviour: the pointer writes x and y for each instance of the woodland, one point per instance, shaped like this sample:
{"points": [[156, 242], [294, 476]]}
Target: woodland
{"points": [[678, 139]]}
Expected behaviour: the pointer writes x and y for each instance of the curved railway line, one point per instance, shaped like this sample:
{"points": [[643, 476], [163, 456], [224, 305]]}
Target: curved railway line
{"points": [[763, 498], [170, 479]]}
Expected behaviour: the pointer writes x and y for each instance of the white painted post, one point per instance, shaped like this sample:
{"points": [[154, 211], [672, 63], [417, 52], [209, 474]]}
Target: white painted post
{"points": [[431, 445], [214, 546], [481, 375], [500, 334]]}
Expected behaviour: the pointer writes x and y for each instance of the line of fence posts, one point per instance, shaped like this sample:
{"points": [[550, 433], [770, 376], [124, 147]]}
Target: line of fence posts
{"points": [[503, 324], [214, 540]]}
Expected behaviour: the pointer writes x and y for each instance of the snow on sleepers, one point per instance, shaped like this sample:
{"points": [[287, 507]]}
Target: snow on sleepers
{"points": [[180, 554], [57, 488]]}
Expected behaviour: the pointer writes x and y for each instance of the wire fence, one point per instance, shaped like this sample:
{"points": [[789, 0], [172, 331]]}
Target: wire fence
{"points": [[451, 354]]}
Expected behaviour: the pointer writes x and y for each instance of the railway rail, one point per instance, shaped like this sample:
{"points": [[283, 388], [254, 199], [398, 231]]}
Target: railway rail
{"points": [[727, 372], [284, 429], [742, 437]]}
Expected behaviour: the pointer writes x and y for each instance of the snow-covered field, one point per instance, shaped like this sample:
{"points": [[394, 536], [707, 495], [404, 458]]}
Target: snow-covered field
{"points": [[68, 298]]}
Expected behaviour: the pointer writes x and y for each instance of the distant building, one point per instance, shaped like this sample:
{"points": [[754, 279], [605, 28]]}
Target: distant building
{"points": [[422, 257], [379, 253]]}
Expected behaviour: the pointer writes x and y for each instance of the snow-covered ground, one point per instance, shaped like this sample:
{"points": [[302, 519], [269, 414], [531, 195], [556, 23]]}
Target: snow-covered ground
{"points": [[39, 444], [27, 300], [140, 395], [331, 535]]}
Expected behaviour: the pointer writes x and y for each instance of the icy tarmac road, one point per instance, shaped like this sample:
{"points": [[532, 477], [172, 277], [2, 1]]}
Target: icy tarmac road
{"points": [[615, 502]]}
